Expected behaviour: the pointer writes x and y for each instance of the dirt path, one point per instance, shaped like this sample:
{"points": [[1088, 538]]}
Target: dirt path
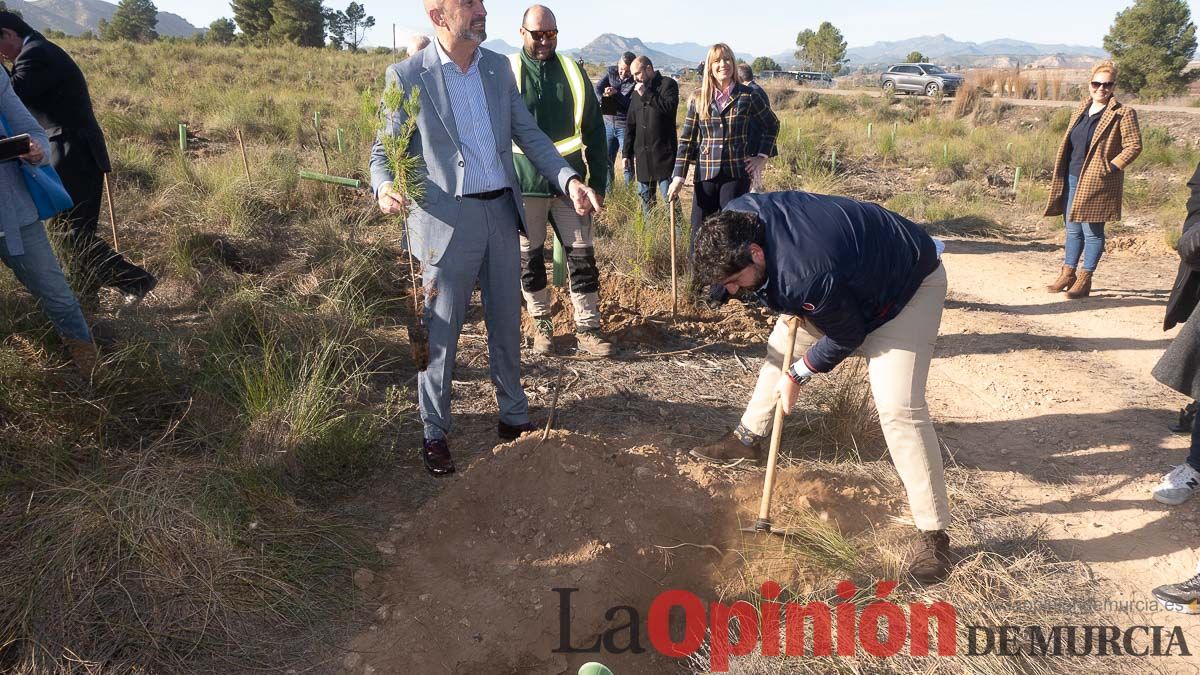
{"points": [[1031, 103], [1054, 399]]}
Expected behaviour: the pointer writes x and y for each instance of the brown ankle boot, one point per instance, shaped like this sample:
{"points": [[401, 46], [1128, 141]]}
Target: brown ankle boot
{"points": [[729, 451], [931, 561], [1082, 287], [83, 355], [1064, 281]]}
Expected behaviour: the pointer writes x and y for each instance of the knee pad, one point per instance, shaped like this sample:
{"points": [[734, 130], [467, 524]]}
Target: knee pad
{"points": [[581, 264], [533, 269]]}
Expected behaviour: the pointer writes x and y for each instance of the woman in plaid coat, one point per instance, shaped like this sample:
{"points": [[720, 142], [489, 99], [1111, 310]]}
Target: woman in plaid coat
{"points": [[1102, 139], [728, 134]]}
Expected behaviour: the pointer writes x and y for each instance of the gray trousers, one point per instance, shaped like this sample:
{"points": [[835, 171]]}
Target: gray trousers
{"points": [[484, 248]]}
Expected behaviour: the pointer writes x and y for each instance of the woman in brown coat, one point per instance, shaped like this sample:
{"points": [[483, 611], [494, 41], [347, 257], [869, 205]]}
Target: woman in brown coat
{"points": [[1089, 176]]}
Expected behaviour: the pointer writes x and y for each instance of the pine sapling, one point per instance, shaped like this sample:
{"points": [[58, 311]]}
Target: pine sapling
{"points": [[408, 181]]}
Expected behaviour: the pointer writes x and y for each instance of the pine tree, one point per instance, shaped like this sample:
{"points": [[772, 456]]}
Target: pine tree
{"points": [[301, 22], [914, 57], [220, 32], [823, 50], [254, 18], [134, 20], [1151, 43], [357, 23], [764, 63]]}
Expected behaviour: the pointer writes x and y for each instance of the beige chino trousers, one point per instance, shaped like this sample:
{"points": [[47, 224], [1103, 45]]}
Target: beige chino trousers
{"points": [[575, 231], [898, 355]]}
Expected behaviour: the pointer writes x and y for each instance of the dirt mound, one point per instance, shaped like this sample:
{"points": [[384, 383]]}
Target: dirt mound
{"points": [[471, 590]]}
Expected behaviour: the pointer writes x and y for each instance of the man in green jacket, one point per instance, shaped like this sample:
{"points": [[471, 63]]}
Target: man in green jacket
{"points": [[559, 95]]}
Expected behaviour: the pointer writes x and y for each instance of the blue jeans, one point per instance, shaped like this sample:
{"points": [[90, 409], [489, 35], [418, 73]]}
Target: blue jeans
{"points": [[1086, 239], [646, 192], [616, 139], [38, 270], [1193, 458]]}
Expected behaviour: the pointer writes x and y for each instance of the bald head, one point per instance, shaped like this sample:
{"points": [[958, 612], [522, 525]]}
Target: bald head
{"points": [[417, 42], [458, 21], [539, 17], [539, 33]]}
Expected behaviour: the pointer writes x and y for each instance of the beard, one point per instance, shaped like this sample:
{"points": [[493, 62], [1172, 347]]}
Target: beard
{"points": [[474, 33]]}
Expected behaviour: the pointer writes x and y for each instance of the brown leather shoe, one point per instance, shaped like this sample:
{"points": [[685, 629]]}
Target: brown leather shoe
{"points": [[729, 451], [1082, 287], [435, 454], [593, 342], [83, 355], [543, 335], [1066, 278], [931, 561]]}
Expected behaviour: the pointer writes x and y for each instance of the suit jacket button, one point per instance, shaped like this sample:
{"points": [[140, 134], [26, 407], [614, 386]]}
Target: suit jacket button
{"points": [[458, 197], [462, 163]]}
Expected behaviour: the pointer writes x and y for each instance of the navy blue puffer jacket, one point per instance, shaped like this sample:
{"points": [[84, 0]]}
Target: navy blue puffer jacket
{"points": [[846, 266]]}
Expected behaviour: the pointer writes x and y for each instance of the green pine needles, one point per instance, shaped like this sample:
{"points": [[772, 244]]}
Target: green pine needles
{"points": [[406, 168]]}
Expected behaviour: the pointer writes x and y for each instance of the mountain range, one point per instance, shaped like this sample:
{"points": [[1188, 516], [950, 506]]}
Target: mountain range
{"points": [[73, 17], [1006, 53], [944, 49], [76, 16]]}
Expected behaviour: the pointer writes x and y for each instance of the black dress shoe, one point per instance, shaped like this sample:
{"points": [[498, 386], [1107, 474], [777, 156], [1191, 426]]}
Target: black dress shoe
{"points": [[137, 291], [435, 454], [511, 432]]}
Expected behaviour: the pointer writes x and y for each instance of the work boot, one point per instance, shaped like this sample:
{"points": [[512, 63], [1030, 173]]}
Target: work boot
{"points": [[83, 355], [732, 449], [543, 332], [591, 341], [1066, 278], [1082, 287], [931, 561]]}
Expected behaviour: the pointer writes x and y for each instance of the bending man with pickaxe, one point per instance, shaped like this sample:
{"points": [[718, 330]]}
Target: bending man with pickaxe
{"points": [[859, 278]]}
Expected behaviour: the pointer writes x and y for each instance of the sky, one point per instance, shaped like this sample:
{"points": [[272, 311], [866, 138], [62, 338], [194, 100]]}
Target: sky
{"points": [[758, 32]]}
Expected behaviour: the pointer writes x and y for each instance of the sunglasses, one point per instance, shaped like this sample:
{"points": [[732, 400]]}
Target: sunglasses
{"points": [[539, 35], [1102, 85]]}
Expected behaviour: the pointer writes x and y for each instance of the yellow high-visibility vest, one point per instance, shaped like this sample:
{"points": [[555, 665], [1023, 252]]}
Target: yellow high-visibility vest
{"points": [[575, 80]]}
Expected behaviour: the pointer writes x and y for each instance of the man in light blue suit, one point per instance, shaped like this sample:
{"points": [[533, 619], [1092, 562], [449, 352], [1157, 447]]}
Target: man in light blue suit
{"points": [[465, 228]]}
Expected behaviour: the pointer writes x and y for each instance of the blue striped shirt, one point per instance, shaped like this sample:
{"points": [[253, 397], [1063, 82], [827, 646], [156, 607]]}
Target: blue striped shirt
{"points": [[483, 171]]}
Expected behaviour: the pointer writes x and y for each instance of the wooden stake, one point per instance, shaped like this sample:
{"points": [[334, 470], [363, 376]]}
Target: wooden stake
{"points": [[321, 143], [245, 162], [674, 280], [1016, 181], [341, 143], [112, 215]]}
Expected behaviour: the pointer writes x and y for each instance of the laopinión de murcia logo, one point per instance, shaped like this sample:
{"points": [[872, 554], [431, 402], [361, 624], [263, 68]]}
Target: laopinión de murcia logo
{"points": [[878, 628]]}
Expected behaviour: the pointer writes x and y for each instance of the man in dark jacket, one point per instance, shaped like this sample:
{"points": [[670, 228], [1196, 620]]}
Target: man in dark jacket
{"points": [[650, 139], [616, 87], [860, 279], [53, 88], [746, 75]]}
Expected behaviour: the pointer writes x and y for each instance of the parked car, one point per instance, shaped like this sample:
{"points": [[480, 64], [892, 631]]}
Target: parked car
{"points": [[805, 78], [809, 79], [920, 78]]}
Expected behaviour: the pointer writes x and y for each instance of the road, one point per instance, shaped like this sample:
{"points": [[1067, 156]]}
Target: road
{"points": [[1021, 102]]}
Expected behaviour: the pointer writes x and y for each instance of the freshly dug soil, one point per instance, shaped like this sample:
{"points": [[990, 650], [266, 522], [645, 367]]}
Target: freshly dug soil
{"points": [[471, 587]]}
